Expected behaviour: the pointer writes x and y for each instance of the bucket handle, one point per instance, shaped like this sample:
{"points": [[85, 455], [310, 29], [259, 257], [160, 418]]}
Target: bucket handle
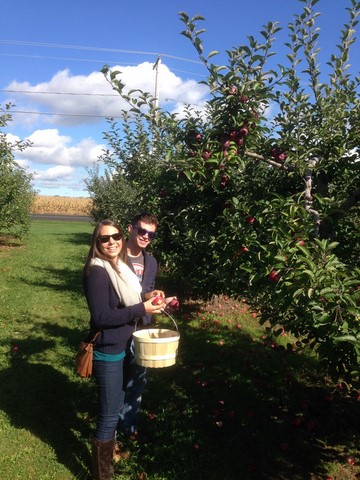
{"points": [[170, 316], [166, 313]]}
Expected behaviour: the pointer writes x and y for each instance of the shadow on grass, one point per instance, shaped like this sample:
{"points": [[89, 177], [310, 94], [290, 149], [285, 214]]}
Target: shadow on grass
{"points": [[232, 411], [76, 238], [37, 397], [57, 279], [232, 407]]}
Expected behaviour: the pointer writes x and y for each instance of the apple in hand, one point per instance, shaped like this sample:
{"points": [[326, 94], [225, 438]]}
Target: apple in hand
{"points": [[172, 303], [158, 300]]}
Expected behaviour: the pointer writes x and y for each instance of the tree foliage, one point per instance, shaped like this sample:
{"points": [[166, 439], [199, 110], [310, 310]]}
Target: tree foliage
{"points": [[259, 192], [16, 191]]}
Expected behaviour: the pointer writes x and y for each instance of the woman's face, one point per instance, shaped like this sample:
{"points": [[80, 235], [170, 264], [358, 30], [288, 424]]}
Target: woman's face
{"points": [[108, 245]]}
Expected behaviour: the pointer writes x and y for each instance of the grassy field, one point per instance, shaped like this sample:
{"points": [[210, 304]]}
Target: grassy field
{"points": [[238, 404]]}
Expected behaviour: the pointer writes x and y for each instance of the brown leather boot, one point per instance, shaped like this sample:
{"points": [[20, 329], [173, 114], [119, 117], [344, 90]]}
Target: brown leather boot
{"points": [[102, 453]]}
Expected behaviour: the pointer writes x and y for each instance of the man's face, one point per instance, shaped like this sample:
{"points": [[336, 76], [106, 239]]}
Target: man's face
{"points": [[141, 234]]}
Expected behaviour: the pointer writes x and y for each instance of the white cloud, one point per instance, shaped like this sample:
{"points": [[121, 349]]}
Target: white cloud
{"points": [[55, 173], [84, 99], [55, 179], [49, 147], [59, 161]]}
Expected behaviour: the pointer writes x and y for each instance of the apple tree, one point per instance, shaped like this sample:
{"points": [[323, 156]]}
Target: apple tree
{"points": [[135, 159], [290, 222], [16, 191], [261, 189], [290, 226]]}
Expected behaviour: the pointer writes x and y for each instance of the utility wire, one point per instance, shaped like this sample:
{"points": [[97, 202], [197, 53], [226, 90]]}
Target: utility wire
{"points": [[103, 62], [60, 93], [95, 49], [12, 112], [46, 57]]}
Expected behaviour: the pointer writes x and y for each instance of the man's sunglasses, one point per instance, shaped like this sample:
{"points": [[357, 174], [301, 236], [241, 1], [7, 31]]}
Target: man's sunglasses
{"points": [[105, 238], [143, 231]]}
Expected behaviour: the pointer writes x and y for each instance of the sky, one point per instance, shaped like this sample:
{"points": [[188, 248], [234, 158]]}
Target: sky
{"points": [[51, 54]]}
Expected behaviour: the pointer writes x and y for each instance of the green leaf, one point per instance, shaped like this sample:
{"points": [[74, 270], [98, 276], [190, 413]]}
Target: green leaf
{"points": [[348, 338]]}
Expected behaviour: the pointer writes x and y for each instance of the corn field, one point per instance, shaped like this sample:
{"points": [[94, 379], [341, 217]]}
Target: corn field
{"points": [[58, 205]]}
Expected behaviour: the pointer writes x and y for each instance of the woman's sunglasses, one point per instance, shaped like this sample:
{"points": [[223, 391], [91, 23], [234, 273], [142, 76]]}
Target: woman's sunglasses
{"points": [[142, 232], [105, 238]]}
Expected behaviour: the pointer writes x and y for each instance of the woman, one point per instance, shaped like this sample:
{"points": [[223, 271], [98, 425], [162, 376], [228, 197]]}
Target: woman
{"points": [[113, 294]]}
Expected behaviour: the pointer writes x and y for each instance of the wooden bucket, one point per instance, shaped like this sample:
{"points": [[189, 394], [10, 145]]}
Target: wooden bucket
{"points": [[156, 347]]}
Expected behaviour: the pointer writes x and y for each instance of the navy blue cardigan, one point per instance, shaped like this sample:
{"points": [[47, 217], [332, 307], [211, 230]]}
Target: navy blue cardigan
{"points": [[115, 321]]}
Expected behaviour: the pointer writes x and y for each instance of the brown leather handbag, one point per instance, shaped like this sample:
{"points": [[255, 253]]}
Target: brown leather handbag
{"points": [[84, 358]]}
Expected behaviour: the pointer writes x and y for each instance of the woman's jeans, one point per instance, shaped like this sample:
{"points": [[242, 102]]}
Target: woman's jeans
{"points": [[110, 387]]}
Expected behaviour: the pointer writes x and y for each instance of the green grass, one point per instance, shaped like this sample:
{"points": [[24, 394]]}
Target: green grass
{"points": [[238, 404]]}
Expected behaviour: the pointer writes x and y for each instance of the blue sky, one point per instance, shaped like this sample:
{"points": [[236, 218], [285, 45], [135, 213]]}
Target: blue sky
{"points": [[51, 54]]}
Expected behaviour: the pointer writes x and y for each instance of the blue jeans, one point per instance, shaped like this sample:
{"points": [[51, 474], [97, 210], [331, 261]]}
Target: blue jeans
{"points": [[135, 382], [110, 386]]}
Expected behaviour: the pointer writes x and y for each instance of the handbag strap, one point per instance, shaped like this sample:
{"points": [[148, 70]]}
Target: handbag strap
{"points": [[95, 337]]}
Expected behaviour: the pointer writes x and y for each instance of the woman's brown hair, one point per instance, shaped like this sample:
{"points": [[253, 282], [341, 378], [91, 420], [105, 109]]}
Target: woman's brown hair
{"points": [[95, 251]]}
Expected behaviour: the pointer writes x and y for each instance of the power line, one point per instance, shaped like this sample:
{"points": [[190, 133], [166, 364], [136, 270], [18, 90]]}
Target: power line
{"points": [[63, 114], [95, 49], [109, 62], [45, 57], [60, 93]]}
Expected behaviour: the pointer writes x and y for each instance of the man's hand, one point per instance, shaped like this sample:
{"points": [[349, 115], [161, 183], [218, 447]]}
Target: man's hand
{"points": [[153, 294]]}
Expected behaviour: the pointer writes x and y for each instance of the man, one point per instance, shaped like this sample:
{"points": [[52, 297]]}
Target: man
{"points": [[141, 232]]}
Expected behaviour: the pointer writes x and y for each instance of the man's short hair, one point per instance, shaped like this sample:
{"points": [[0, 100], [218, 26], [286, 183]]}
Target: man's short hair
{"points": [[145, 217]]}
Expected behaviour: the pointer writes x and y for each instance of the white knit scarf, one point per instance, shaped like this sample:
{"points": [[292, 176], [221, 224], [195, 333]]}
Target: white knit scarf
{"points": [[126, 283]]}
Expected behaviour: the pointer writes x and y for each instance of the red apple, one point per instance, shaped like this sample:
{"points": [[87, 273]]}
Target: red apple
{"points": [[233, 135], [14, 348], [206, 155], [350, 459], [298, 421], [174, 303], [158, 300], [224, 180], [281, 157], [275, 151], [273, 276]]}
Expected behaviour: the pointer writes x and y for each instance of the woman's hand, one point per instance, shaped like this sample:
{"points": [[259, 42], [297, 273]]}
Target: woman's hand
{"points": [[154, 293], [151, 309]]}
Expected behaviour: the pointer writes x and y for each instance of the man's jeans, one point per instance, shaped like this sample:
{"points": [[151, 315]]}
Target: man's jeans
{"points": [[135, 379]]}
